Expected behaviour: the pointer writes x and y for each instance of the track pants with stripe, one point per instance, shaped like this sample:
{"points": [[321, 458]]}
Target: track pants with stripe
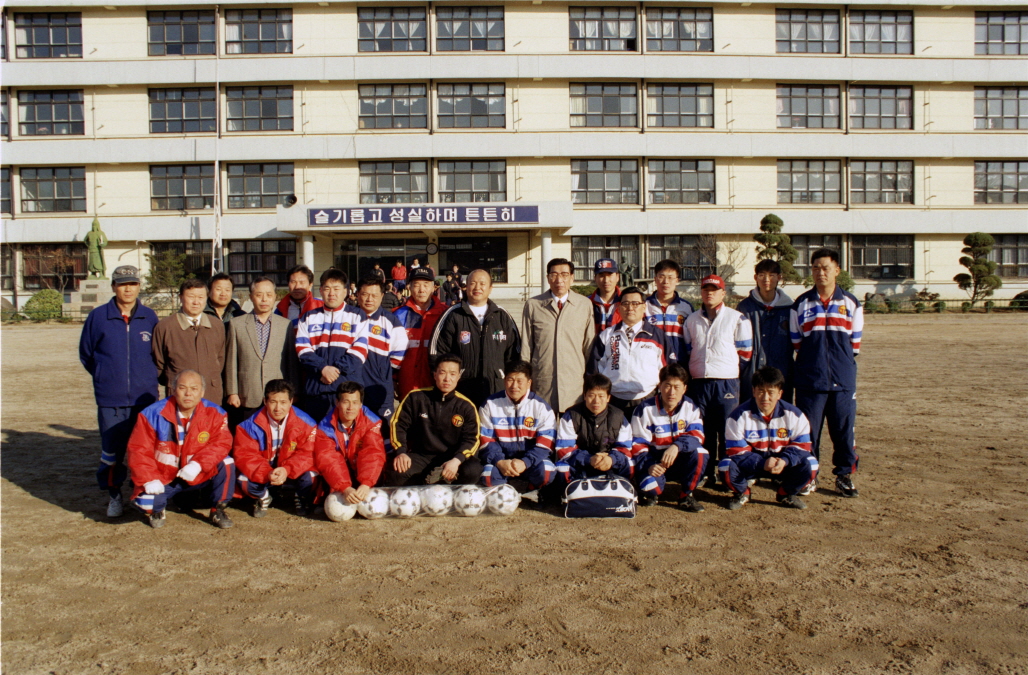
{"points": [[840, 409], [687, 470], [116, 426], [221, 486], [304, 486], [738, 470], [716, 399], [538, 476]]}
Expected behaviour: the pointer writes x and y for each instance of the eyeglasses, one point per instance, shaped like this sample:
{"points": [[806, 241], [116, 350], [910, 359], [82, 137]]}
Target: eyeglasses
{"points": [[559, 275], [627, 304]]}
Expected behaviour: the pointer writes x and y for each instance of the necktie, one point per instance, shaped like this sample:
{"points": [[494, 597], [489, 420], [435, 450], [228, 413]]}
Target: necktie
{"points": [[560, 305], [629, 333]]}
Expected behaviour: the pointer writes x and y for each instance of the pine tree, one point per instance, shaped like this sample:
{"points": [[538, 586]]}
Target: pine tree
{"points": [[982, 280], [167, 272], [777, 246]]}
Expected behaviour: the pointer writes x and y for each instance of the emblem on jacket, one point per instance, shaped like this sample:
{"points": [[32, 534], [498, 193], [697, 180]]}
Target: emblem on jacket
{"points": [[376, 330], [145, 335], [292, 446], [465, 337], [500, 336], [346, 327], [457, 420], [203, 437], [681, 425], [841, 309], [529, 422], [681, 320], [782, 433]]}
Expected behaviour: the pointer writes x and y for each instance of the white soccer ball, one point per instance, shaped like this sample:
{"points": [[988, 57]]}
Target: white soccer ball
{"points": [[338, 509], [405, 503], [503, 500], [437, 500], [469, 500], [375, 505]]}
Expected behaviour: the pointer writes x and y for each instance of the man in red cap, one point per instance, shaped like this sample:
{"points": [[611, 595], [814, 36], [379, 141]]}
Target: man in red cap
{"points": [[718, 340]]}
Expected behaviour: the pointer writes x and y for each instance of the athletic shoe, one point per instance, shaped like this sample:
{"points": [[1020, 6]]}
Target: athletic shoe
{"points": [[647, 499], [810, 489], [737, 502], [219, 518], [844, 484], [260, 506], [792, 501], [689, 503], [298, 506], [115, 507], [157, 519]]}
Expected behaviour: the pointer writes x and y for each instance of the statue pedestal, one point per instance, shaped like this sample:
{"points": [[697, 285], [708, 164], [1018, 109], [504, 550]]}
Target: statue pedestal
{"points": [[91, 294]]}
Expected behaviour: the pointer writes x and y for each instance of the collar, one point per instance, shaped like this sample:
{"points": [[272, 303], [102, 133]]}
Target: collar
{"points": [[755, 411], [554, 299], [719, 308], [781, 299], [674, 300], [644, 327], [273, 424], [170, 410], [437, 394], [595, 297], [257, 318], [114, 313], [184, 322], [671, 413]]}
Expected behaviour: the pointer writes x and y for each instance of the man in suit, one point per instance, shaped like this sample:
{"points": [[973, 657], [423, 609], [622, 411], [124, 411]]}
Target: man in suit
{"points": [[261, 348], [191, 340]]}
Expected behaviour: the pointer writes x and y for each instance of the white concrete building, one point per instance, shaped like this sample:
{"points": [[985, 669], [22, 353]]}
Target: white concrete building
{"points": [[639, 131]]}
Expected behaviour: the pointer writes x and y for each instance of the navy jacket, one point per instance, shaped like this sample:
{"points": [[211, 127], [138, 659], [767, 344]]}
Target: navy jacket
{"points": [[827, 341], [772, 344], [118, 356]]}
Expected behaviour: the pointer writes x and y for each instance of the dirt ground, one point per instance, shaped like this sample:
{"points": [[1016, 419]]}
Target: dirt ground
{"points": [[926, 572]]}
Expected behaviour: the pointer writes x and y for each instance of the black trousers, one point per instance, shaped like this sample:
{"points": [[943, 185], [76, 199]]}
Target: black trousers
{"points": [[425, 469]]}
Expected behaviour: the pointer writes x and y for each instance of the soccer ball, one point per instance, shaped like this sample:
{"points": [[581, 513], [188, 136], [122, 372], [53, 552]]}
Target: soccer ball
{"points": [[503, 500], [376, 505], [338, 509], [469, 500], [405, 503], [437, 500]]}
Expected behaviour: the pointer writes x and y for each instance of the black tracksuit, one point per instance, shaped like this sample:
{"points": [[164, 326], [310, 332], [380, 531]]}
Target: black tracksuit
{"points": [[432, 429]]}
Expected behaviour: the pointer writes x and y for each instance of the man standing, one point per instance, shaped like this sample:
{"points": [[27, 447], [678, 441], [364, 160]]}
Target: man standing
{"points": [[349, 452], [387, 345], [419, 317], [391, 299], [300, 299], [557, 332], [665, 309], [399, 276], [378, 273], [483, 335], [607, 294], [115, 350], [768, 308], [261, 348], [220, 302], [181, 444], [330, 345], [826, 324], [191, 340]]}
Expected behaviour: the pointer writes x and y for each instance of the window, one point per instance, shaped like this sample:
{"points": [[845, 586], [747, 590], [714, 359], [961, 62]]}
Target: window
{"points": [[259, 108], [686, 250], [259, 31], [806, 31], [875, 107], [57, 266], [394, 182], [177, 111], [1001, 182], [603, 29], [881, 32], [1000, 33], [181, 186], [881, 182], [5, 190], [475, 253], [805, 244], [46, 113], [479, 181], [272, 258], [464, 106], [1001, 108], [7, 267], [809, 181], [604, 181], [397, 29], [585, 251], [393, 106], [808, 107], [5, 132], [603, 105], [53, 189], [181, 33], [1011, 253], [680, 105], [198, 256], [48, 36], [469, 29], [679, 30], [356, 257], [681, 181], [256, 186], [882, 256]]}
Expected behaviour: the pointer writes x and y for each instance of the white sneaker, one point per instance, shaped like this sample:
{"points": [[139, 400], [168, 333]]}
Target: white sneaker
{"points": [[115, 507], [811, 488]]}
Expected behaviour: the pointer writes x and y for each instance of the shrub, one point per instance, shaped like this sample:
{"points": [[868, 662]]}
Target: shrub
{"points": [[44, 305], [1020, 301], [918, 307], [893, 305], [940, 306], [965, 306], [989, 304]]}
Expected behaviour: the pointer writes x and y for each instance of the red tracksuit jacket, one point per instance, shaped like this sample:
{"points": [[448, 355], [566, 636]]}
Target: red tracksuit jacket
{"points": [[338, 459], [415, 372], [253, 452]]}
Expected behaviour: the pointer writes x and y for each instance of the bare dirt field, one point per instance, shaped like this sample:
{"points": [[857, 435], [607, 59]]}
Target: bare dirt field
{"points": [[927, 572]]}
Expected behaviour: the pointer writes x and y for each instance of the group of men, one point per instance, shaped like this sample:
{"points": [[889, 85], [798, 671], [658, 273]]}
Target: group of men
{"points": [[306, 396]]}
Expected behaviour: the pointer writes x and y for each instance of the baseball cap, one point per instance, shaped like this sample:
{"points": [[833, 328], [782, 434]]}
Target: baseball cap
{"points": [[713, 280], [125, 274], [420, 273], [605, 265]]}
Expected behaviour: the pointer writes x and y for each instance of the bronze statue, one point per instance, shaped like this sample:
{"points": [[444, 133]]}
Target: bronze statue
{"points": [[96, 242]]}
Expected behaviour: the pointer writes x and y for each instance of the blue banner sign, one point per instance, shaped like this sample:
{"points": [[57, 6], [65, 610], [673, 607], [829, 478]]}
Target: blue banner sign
{"points": [[385, 215]]}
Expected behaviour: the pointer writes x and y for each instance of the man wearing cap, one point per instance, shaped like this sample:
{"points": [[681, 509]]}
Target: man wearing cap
{"points": [[115, 350], [419, 316], [607, 294], [718, 341]]}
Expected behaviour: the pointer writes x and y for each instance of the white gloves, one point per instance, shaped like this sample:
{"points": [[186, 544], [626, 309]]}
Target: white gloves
{"points": [[189, 472], [154, 487]]}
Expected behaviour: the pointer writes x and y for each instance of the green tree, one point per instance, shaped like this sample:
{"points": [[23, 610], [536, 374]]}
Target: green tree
{"points": [[167, 272], [982, 280], [46, 304], [777, 246]]}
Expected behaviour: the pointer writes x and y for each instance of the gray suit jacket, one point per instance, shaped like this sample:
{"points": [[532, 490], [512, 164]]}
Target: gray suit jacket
{"points": [[246, 372]]}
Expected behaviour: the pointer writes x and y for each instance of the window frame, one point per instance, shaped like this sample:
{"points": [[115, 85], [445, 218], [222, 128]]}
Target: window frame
{"points": [[598, 91], [493, 14], [265, 16], [6, 190], [205, 97], [71, 26], [367, 36], [657, 16], [985, 121], [205, 44], [199, 255], [983, 30], [860, 101], [5, 113], [476, 248], [586, 250], [449, 120], [1018, 245], [984, 170], [76, 183], [866, 252], [261, 172], [899, 18], [260, 249], [242, 100], [375, 169], [36, 267], [790, 97], [656, 93], [582, 169], [861, 169], [200, 176], [578, 36], [687, 252], [791, 16], [806, 244], [699, 169], [29, 123], [372, 94], [490, 169], [807, 170]]}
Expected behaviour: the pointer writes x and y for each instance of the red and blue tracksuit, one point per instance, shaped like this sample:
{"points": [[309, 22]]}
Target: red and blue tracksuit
{"points": [[329, 337], [826, 336], [580, 435], [670, 318], [162, 443], [117, 353], [654, 430], [350, 456], [605, 314], [772, 341], [387, 345], [525, 430], [752, 438], [260, 448], [420, 325]]}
